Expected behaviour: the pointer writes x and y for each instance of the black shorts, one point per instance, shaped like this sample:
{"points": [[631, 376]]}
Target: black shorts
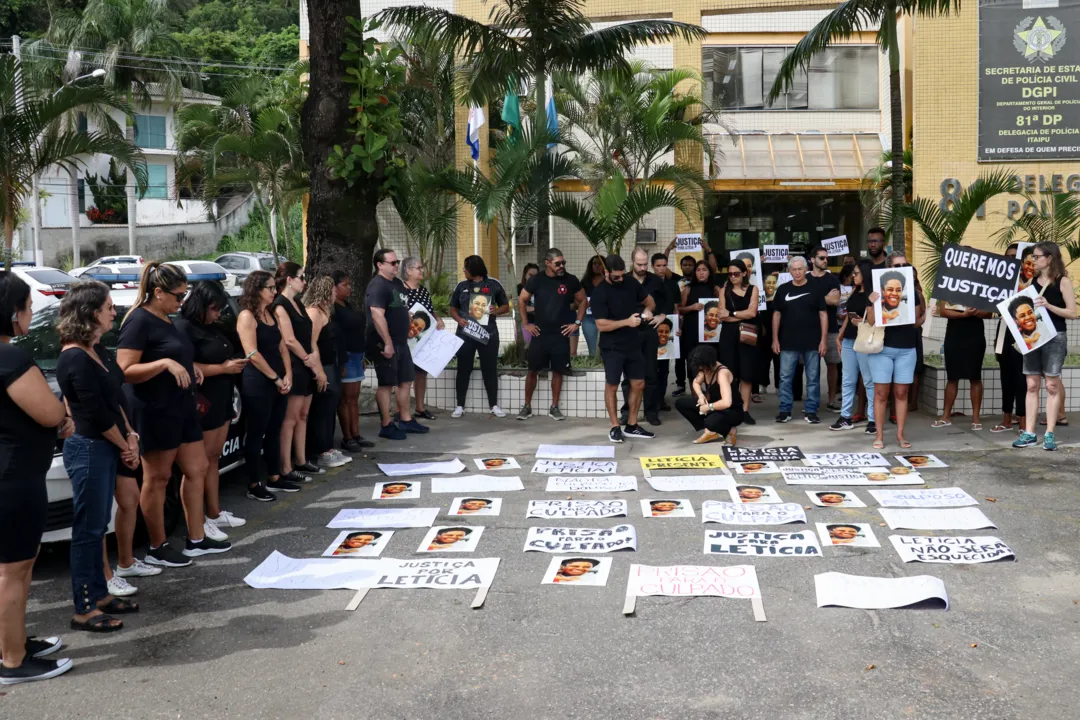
{"points": [[220, 410], [169, 430], [24, 504], [550, 351], [303, 380], [395, 371], [617, 363], [964, 358]]}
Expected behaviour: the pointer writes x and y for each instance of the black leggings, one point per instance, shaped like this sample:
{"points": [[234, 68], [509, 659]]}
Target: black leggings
{"points": [[264, 408], [489, 360], [323, 413], [1013, 382], [719, 421]]}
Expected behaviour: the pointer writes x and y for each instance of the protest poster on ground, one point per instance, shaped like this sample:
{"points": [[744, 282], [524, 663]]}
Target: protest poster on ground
{"points": [[377, 518], [836, 245], [893, 476], [471, 574], [965, 518], [576, 509], [436, 351], [420, 324], [740, 514], [733, 581], [667, 334], [774, 254], [687, 245], [764, 544], [396, 490], [920, 462], [359, 544], [895, 305], [737, 453], [285, 573], [845, 476], [951, 550], [834, 498], [477, 484], [1031, 327], [575, 467], [878, 593], [476, 506], [424, 468], [451, 538], [666, 507], [762, 494], [708, 320], [581, 571], [575, 452], [684, 483], [581, 540], [974, 278], [924, 498], [846, 460], [754, 468], [579, 483], [496, 462], [843, 534], [682, 462]]}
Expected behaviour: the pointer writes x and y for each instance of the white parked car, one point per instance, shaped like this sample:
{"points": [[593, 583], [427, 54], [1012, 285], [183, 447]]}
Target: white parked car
{"points": [[107, 274], [47, 285], [118, 260], [241, 264], [196, 269]]}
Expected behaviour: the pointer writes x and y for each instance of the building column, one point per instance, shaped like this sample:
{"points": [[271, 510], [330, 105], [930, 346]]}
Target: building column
{"points": [[688, 55]]}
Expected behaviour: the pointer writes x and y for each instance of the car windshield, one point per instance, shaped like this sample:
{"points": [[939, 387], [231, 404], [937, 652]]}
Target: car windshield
{"points": [[49, 277], [267, 263], [203, 268]]}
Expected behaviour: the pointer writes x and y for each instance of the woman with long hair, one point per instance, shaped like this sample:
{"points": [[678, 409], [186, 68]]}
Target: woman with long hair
{"points": [[1011, 374], [307, 373], [353, 329], [712, 408], [853, 364], [102, 440], [479, 299], [593, 276], [215, 358], [701, 285], [1056, 296], [30, 418], [265, 385], [738, 305], [159, 362], [319, 300], [412, 274], [529, 270]]}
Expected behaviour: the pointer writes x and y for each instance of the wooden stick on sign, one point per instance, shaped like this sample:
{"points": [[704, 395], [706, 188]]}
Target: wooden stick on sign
{"points": [[356, 599]]}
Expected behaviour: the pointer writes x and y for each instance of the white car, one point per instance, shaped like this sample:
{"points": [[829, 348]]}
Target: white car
{"points": [[108, 273], [195, 269], [241, 264], [48, 285], [118, 260]]}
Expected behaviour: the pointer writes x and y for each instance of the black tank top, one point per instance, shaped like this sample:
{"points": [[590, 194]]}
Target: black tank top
{"points": [[712, 390], [328, 342], [301, 323], [1053, 297], [268, 343], [734, 303]]}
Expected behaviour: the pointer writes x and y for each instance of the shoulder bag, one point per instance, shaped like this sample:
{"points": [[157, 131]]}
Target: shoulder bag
{"points": [[869, 339]]}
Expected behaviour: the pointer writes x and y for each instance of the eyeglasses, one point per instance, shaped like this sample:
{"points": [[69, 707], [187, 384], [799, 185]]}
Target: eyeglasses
{"points": [[270, 287], [395, 263], [902, 265], [1038, 255], [822, 258], [560, 263], [178, 295]]}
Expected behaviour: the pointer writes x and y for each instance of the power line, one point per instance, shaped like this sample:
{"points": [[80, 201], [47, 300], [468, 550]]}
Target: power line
{"points": [[61, 53], [138, 67]]}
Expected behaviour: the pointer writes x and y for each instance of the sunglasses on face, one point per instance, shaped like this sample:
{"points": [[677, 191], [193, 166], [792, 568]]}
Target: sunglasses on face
{"points": [[395, 263], [822, 258], [902, 265], [735, 273], [178, 295], [559, 263]]}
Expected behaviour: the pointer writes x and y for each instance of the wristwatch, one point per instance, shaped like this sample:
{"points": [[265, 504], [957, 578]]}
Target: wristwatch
{"points": [[578, 323]]}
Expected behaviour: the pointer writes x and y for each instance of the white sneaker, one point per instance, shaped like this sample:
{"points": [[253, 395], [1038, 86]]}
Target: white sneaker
{"points": [[341, 456], [497, 411], [227, 519], [211, 531], [329, 460], [458, 412], [120, 587], [137, 569]]}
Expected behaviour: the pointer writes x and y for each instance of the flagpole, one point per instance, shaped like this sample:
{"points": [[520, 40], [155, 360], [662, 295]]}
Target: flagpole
{"points": [[476, 220], [513, 237]]}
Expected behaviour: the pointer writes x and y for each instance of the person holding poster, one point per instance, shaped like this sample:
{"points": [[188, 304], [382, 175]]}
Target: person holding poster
{"points": [[894, 290], [702, 285], [412, 274], [476, 302], [1010, 373], [648, 338], [713, 408], [672, 296], [964, 348], [800, 326], [738, 338], [855, 365], [1055, 296], [829, 286], [593, 276]]}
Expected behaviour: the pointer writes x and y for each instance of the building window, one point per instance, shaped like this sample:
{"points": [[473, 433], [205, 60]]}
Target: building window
{"points": [[158, 182], [82, 195], [150, 131], [82, 125], [838, 78]]}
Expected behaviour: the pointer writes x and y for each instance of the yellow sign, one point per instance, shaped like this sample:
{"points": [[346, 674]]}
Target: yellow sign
{"points": [[682, 462]]}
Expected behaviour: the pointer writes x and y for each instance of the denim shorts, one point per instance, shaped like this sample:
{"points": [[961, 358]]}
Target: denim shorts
{"points": [[893, 365], [354, 368], [1048, 359]]}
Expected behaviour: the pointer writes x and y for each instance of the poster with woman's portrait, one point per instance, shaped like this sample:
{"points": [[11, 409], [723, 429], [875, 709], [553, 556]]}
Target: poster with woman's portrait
{"points": [[709, 320], [771, 283], [834, 498], [896, 304], [420, 324], [751, 258], [450, 539], [359, 544], [1031, 326], [666, 507], [396, 490], [847, 534], [760, 494], [1025, 253], [668, 334], [585, 571], [486, 506]]}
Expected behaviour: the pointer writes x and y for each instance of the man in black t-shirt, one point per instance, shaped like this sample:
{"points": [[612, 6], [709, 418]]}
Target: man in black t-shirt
{"points": [[829, 286], [799, 327], [551, 292], [387, 301], [654, 287], [875, 247], [620, 307]]}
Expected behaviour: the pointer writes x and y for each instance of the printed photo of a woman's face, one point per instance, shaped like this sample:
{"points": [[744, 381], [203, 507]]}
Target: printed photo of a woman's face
{"points": [[356, 541], [574, 569], [750, 493], [843, 534], [828, 498], [663, 332], [494, 463], [448, 537], [712, 316], [478, 307], [877, 476], [1027, 266], [392, 490], [663, 507], [1026, 319], [419, 323], [473, 505], [892, 293], [770, 287]]}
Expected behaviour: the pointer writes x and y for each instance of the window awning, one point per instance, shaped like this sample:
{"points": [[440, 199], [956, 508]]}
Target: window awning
{"points": [[797, 156]]}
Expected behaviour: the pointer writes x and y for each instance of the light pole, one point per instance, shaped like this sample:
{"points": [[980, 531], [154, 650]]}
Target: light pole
{"points": [[73, 181]]}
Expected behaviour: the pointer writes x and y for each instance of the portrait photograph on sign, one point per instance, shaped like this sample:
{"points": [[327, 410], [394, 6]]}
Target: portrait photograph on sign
{"points": [[359, 544], [761, 494], [666, 507], [772, 280], [420, 323], [847, 534], [396, 490], [751, 258], [488, 507], [709, 320], [918, 462], [896, 304], [834, 498], [755, 468], [450, 539], [667, 333], [1025, 253], [582, 571], [1031, 327], [496, 462]]}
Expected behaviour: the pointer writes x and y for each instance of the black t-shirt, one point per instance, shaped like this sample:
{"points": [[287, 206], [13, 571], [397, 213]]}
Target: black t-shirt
{"points": [[353, 327], [92, 393], [800, 327], [530, 316], [904, 336], [159, 339], [553, 296], [824, 285], [654, 287], [856, 306], [476, 300], [618, 302], [211, 348], [393, 297], [672, 295], [29, 445]]}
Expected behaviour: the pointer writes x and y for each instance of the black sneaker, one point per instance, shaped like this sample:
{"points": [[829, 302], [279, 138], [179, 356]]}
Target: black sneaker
{"points": [[283, 484], [813, 419], [356, 444], [310, 468], [615, 435], [665, 408], [260, 493], [40, 647], [783, 417], [842, 424], [165, 556], [653, 418], [679, 390], [871, 428], [748, 419], [206, 546], [637, 431], [34, 669]]}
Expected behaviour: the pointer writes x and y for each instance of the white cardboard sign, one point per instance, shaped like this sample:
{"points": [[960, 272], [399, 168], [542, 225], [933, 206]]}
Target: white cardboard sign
{"points": [[844, 476], [377, 518], [952, 550], [436, 350], [924, 498], [575, 467], [608, 483], [477, 484], [576, 509], [576, 452], [761, 544], [425, 468], [578, 571], [685, 483], [836, 246], [285, 573], [581, 540], [876, 593], [666, 507], [741, 514], [846, 460], [967, 518], [732, 581]]}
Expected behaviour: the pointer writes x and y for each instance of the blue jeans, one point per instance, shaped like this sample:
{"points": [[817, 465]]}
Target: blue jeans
{"points": [[789, 361], [588, 328], [854, 365], [91, 465]]}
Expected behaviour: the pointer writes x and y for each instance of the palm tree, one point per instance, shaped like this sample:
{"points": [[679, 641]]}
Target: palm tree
{"points": [[876, 193], [430, 218], [947, 227], [33, 138], [1056, 220], [851, 18]]}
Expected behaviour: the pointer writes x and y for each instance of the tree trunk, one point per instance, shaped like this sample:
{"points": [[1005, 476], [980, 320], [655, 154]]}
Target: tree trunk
{"points": [[543, 236], [342, 229], [896, 104]]}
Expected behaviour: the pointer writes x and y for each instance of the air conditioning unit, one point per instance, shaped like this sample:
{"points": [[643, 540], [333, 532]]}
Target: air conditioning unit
{"points": [[645, 236], [525, 236]]}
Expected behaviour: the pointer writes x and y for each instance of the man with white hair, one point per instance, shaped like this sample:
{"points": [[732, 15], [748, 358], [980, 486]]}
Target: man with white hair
{"points": [[799, 326]]}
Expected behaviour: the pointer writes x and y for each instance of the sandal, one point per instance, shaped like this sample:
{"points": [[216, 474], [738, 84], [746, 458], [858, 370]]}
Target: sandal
{"points": [[119, 606], [879, 445], [904, 444], [98, 624], [755, 398], [976, 426], [1000, 429], [940, 423]]}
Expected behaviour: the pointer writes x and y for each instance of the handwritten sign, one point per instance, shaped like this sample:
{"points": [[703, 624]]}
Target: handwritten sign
{"points": [[836, 246], [683, 483], [575, 467], [581, 540], [742, 514], [682, 462], [841, 476], [576, 452], [610, 483], [285, 573], [738, 453], [952, 550], [846, 460], [764, 544], [875, 593], [733, 581], [925, 498], [376, 518], [774, 254], [967, 518], [436, 350], [576, 509]]}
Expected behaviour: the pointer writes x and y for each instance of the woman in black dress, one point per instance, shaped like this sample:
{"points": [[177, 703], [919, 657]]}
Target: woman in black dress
{"points": [[215, 357], [353, 328], [307, 373], [964, 348], [30, 416], [319, 301], [700, 286], [713, 407], [738, 305]]}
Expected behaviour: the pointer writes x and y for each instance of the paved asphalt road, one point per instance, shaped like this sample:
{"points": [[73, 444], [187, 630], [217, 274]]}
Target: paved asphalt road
{"points": [[207, 646]]}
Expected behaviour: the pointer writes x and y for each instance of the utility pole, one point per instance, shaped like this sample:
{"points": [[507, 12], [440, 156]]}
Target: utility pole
{"points": [[35, 194]]}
